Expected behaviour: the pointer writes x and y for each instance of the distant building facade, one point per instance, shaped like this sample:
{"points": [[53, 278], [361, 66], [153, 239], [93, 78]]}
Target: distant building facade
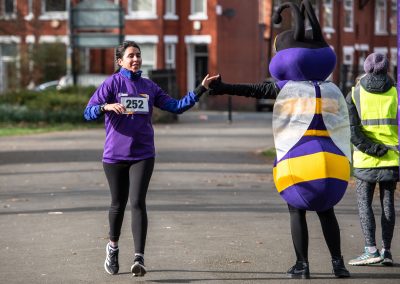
{"points": [[191, 37]]}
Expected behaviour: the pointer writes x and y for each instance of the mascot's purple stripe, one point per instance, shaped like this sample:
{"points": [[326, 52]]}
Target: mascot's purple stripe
{"points": [[312, 145], [313, 195], [302, 64], [317, 123]]}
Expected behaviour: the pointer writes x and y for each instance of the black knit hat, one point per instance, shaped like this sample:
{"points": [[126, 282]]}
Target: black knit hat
{"points": [[376, 63]]}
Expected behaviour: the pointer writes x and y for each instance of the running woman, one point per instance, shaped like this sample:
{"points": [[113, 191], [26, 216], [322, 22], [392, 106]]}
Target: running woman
{"points": [[127, 100]]}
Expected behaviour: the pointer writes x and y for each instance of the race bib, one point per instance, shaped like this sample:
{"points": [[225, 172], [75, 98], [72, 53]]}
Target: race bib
{"points": [[135, 105]]}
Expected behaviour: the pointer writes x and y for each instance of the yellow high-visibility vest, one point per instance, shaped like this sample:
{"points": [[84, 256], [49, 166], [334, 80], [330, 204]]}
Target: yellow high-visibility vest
{"points": [[378, 114]]}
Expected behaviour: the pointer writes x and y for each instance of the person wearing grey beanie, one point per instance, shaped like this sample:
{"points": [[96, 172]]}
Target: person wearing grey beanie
{"points": [[372, 105]]}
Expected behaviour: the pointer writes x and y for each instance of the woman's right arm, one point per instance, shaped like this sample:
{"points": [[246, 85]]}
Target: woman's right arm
{"points": [[102, 101]]}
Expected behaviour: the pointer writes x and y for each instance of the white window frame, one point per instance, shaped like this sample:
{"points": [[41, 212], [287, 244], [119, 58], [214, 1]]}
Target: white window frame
{"points": [[9, 40], [328, 29], [393, 17], [142, 15], [196, 16], [8, 16], [349, 9], [348, 50], [393, 60], [30, 15], [381, 15], [170, 42], [54, 39], [170, 10], [382, 50], [191, 41], [61, 15]]}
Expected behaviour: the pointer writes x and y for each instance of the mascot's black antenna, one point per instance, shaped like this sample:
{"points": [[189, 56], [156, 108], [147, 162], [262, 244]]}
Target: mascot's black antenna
{"points": [[306, 6], [298, 19]]}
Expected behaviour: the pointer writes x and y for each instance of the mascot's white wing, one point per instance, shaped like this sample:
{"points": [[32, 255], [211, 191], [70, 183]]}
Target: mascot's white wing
{"points": [[294, 110], [336, 116]]}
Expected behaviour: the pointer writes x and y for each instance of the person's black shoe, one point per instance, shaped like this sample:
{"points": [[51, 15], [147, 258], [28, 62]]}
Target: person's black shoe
{"points": [[111, 263], [300, 270], [339, 269], [138, 268]]}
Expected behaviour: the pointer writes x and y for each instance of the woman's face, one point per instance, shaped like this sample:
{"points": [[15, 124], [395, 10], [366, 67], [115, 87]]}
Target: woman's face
{"points": [[132, 59]]}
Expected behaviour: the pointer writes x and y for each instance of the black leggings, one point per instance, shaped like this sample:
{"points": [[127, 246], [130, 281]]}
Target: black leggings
{"points": [[129, 179], [330, 229]]}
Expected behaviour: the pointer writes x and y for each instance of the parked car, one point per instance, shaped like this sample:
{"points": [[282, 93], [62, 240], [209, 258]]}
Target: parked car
{"points": [[82, 80], [51, 85]]}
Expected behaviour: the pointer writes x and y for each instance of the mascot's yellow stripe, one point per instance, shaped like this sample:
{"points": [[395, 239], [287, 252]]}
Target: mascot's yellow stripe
{"points": [[315, 132], [318, 107], [310, 167], [301, 106]]}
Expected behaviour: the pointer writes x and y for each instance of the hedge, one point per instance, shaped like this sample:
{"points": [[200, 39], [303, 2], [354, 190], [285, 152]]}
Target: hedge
{"points": [[53, 107]]}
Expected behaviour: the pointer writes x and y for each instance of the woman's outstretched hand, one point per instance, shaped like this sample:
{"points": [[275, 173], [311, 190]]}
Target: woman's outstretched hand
{"points": [[207, 80]]}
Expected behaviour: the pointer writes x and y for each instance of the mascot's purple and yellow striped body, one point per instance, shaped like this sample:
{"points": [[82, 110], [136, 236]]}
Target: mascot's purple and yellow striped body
{"points": [[310, 120], [312, 134]]}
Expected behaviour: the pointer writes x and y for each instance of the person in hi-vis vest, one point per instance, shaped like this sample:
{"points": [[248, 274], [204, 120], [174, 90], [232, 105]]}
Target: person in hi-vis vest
{"points": [[372, 105]]}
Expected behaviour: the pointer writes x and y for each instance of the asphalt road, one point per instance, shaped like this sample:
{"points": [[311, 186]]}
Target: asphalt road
{"points": [[214, 215]]}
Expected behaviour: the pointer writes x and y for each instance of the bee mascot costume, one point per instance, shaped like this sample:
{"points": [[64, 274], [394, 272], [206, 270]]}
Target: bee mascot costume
{"points": [[311, 131]]}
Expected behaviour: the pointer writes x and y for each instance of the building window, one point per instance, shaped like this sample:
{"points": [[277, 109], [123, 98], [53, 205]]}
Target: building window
{"points": [[170, 10], [393, 17], [149, 57], [327, 18], [142, 9], [170, 55], [54, 10], [8, 66], [7, 9], [29, 16], [380, 17], [54, 6], [348, 15], [198, 10], [348, 61], [393, 62]]}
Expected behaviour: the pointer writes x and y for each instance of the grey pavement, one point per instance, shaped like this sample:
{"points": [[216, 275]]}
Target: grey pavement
{"points": [[214, 214]]}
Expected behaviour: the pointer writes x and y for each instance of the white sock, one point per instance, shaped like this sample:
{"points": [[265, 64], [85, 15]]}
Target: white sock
{"points": [[372, 249], [139, 254], [113, 245]]}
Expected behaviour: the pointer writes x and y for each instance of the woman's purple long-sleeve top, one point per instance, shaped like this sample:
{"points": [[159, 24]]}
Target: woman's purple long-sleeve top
{"points": [[131, 137]]}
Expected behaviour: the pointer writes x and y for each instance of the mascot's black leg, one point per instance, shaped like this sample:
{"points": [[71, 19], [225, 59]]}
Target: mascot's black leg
{"points": [[330, 228], [299, 230]]}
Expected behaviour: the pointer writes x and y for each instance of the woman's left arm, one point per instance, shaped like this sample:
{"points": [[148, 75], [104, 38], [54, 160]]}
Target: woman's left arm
{"points": [[178, 106]]}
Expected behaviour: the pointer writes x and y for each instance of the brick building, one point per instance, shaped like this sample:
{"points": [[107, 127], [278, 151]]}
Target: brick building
{"points": [[191, 37]]}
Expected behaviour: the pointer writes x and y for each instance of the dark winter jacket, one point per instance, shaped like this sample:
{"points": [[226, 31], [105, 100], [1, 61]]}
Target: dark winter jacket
{"points": [[374, 84]]}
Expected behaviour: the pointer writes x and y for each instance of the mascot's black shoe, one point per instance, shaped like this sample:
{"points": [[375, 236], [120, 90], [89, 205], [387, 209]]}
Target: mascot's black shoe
{"points": [[300, 270], [339, 269]]}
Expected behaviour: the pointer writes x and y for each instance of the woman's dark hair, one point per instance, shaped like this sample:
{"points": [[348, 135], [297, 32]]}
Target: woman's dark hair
{"points": [[120, 50]]}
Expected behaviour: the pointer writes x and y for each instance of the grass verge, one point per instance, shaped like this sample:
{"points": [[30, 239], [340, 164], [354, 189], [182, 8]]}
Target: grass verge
{"points": [[11, 129]]}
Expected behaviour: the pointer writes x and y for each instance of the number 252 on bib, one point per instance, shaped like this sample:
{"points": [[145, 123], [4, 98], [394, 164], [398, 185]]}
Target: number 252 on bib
{"points": [[135, 104]]}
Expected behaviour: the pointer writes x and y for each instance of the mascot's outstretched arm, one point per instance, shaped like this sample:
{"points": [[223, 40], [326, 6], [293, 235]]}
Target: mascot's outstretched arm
{"points": [[264, 90]]}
